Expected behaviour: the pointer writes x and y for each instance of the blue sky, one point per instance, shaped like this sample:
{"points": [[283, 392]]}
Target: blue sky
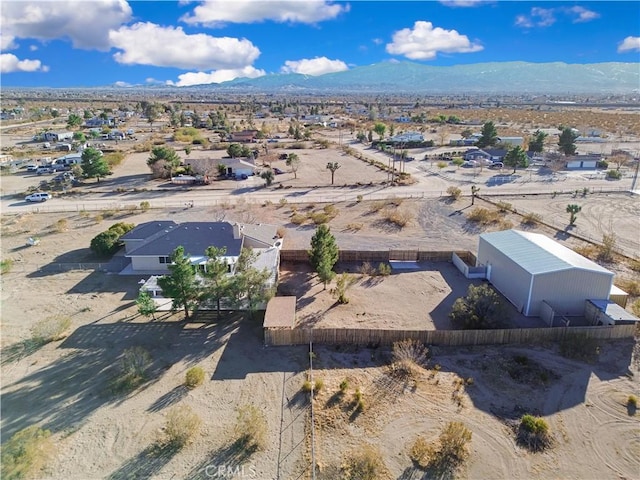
{"points": [[85, 43]]}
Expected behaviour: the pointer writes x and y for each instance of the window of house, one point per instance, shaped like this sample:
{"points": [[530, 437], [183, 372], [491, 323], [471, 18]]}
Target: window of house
{"points": [[164, 259]]}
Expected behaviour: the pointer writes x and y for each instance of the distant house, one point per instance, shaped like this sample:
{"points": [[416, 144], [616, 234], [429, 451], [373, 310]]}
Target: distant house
{"points": [[57, 136], [236, 167], [100, 122], [589, 161], [511, 141], [149, 246], [244, 136], [407, 137]]}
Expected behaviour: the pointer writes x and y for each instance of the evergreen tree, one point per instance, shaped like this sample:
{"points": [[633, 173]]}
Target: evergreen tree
{"points": [[216, 276], [536, 144], [323, 254], [180, 284], [146, 305], [250, 284], [567, 141], [93, 164], [489, 135], [516, 157]]}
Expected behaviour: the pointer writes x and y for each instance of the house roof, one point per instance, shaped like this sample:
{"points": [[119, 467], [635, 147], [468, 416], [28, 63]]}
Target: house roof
{"points": [[147, 229], [266, 234], [280, 313], [195, 237], [538, 254], [236, 163]]}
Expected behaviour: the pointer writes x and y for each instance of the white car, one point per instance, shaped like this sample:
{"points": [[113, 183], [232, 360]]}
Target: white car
{"points": [[38, 197]]}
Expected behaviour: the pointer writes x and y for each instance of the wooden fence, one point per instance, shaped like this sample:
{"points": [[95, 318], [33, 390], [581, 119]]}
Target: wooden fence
{"points": [[376, 256], [363, 336]]}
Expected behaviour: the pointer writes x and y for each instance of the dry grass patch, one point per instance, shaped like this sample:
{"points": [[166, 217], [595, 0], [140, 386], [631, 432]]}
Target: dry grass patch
{"points": [[26, 453], [399, 218], [533, 433], [531, 219], [365, 464], [181, 425], [484, 216], [631, 286], [251, 428], [442, 458], [133, 370], [409, 358], [50, 329], [194, 377]]}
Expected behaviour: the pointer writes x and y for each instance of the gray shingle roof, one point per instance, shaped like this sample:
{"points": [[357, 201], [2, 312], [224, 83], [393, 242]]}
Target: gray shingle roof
{"points": [[539, 254], [195, 237], [148, 229]]}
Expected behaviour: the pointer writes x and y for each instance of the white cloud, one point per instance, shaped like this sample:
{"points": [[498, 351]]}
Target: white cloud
{"points": [[581, 14], [424, 42], [463, 3], [539, 17], [33, 48], [314, 66], [87, 24], [629, 44], [7, 42], [10, 63], [218, 76], [217, 12], [151, 44], [121, 83]]}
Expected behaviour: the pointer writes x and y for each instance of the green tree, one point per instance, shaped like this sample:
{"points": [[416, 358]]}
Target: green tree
{"points": [[88, 114], [268, 176], [567, 141], [293, 162], [323, 254], [74, 120], [379, 128], [79, 136], [180, 284], [217, 285], [489, 135], [151, 111], [249, 284], [466, 133], [536, 145], [108, 242], [163, 161], [234, 150], [573, 210], [343, 283], [481, 308], [333, 166], [94, 164], [516, 157], [146, 305]]}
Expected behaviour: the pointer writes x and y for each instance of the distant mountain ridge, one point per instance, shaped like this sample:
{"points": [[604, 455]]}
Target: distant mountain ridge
{"points": [[498, 77]]}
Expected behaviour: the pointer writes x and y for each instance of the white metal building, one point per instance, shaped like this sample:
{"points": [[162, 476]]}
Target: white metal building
{"points": [[529, 269]]}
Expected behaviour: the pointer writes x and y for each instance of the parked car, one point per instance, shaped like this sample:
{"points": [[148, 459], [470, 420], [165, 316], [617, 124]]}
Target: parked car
{"points": [[277, 171], [38, 197], [470, 163], [32, 168], [497, 165], [44, 169]]}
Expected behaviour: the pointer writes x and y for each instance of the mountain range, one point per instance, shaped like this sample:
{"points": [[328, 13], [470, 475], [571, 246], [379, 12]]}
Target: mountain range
{"points": [[504, 77]]}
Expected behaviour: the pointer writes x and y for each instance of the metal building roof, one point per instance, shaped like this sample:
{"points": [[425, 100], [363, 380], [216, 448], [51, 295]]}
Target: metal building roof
{"points": [[538, 254]]}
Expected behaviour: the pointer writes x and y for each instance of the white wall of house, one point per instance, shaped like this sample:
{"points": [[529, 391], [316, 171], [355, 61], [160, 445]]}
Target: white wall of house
{"points": [[148, 264]]}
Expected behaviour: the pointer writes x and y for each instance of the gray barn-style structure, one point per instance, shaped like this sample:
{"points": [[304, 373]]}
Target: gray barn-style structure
{"points": [[530, 269]]}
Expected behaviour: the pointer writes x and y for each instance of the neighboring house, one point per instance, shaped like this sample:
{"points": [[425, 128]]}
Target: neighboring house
{"points": [[57, 136], [100, 122], [407, 137], [478, 155], [539, 275], [511, 141], [589, 161], [244, 136], [237, 167], [149, 246]]}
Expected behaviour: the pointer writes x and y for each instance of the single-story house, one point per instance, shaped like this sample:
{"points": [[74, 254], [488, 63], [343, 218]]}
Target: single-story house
{"points": [[237, 167], [511, 141], [588, 161], [244, 136], [149, 246], [57, 136], [407, 137], [100, 122], [537, 274]]}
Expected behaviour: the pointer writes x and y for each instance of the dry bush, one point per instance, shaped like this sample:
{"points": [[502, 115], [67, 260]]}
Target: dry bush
{"points": [[504, 207], [395, 201], [443, 457], [145, 205], [421, 452], [319, 218], [454, 192], [635, 308], [533, 433], [632, 287], [505, 224], [409, 357], [531, 219], [181, 425], [364, 464], [484, 216], [98, 218], [62, 225], [375, 207], [331, 211], [634, 265], [281, 232], [145, 146], [384, 269], [606, 251], [5, 266], [298, 219], [398, 218], [367, 269], [50, 329], [588, 251], [354, 227], [580, 347], [251, 428], [26, 453], [194, 377], [133, 369]]}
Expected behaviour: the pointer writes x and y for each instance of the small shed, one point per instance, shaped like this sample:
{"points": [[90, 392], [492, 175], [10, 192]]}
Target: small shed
{"points": [[279, 315], [606, 312], [530, 268]]}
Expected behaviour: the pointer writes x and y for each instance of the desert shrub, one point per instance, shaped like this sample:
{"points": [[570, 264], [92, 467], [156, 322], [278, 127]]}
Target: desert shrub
{"points": [[344, 281], [635, 308], [443, 457], [614, 174], [5, 266], [318, 385], [606, 251], [367, 269], [483, 216], [454, 192], [409, 357], [144, 205], [580, 347], [319, 218], [632, 401], [133, 370], [359, 198], [504, 207], [533, 433], [50, 329], [481, 308], [375, 207], [25, 453], [588, 251], [364, 464], [282, 202], [62, 225], [194, 377], [114, 159], [354, 227], [251, 428], [281, 232], [307, 386], [143, 147], [384, 269], [634, 265], [330, 210], [108, 213], [505, 224], [398, 218], [531, 219], [396, 201], [181, 425], [98, 218], [298, 219], [441, 165], [344, 385], [632, 287]]}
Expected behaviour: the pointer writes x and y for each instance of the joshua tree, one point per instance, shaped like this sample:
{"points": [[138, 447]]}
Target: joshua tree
{"points": [[333, 166], [573, 210]]}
